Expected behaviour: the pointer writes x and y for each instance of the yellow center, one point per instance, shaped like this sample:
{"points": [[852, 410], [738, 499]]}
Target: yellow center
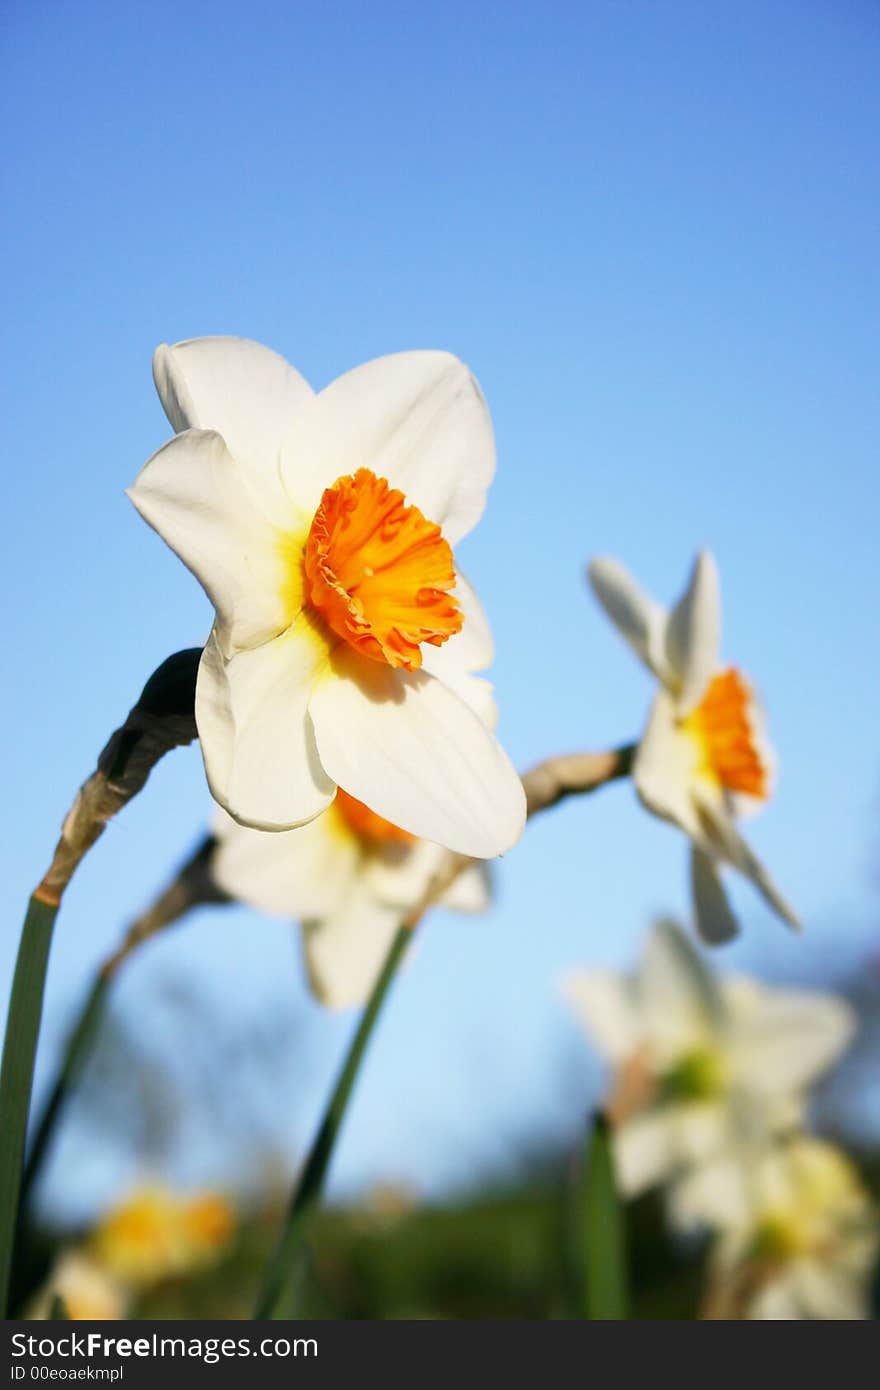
{"points": [[697, 1075], [379, 572], [823, 1204], [366, 824], [140, 1238], [156, 1233], [723, 726]]}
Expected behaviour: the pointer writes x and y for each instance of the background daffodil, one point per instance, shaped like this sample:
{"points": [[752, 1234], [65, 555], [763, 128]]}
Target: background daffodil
{"points": [[703, 760], [704, 1070], [801, 1241], [349, 877]]}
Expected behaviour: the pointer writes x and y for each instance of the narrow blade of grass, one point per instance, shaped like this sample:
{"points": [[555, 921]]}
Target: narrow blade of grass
{"points": [[603, 1234]]}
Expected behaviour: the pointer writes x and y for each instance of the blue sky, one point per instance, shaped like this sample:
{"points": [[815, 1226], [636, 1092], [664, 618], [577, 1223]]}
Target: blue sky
{"points": [[652, 231]]}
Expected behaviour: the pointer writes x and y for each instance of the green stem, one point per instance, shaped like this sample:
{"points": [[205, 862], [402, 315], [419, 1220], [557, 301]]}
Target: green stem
{"points": [[162, 719], [17, 1073], [281, 1270], [603, 1234], [191, 886]]}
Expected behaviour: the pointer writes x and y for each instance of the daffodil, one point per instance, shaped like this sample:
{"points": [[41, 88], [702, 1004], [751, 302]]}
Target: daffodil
{"points": [[704, 760], [322, 527], [156, 1234], [349, 877], [88, 1291], [704, 1070], [801, 1241]]}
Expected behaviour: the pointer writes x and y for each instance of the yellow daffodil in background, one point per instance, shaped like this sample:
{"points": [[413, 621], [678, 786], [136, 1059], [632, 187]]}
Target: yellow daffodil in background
{"points": [[322, 527], [89, 1292], [349, 877], [801, 1241], [704, 759], [704, 1071], [157, 1234]]}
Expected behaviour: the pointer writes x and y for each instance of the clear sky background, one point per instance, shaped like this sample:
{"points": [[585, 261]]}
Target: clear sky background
{"points": [[652, 230]]}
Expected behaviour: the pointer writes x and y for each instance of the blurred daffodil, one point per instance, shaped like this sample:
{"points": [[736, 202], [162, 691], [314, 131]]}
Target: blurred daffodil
{"points": [[349, 877], [88, 1291], [799, 1239], [321, 527], [157, 1234], [703, 760], [704, 1071]]}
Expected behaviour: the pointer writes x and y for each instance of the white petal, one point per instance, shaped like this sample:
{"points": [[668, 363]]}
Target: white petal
{"points": [[678, 995], [399, 874], [476, 692], [693, 634], [256, 734], [470, 650], [719, 827], [345, 952], [245, 392], [714, 916], [412, 750], [300, 874], [712, 1194], [664, 770], [90, 1292], [701, 1131], [471, 891], [783, 1040], [830, 1293], [640, 619], [192, 492], [473, 647], [416, 418], [644, 1153], [603, 1002], [776, 1302]]}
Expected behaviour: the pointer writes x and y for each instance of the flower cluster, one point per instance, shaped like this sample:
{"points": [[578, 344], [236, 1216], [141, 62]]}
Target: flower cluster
{"points": [[345, 731], [349, 740], [708, 1101], [154, 1235]]}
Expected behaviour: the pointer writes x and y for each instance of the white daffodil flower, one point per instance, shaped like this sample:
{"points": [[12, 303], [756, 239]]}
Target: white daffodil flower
{"points": [[321, 527], [800, 1241], [89, 1292], [349, 877], [704, 1070], [704, 759]]}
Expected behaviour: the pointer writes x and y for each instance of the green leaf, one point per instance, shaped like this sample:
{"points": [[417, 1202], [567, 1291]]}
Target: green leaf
{"points": [[17, 1073], [603, 1234]]}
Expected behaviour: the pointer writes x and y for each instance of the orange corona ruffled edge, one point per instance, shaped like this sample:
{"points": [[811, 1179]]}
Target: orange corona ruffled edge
{"points": [[378, 572], [724, 723]]}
